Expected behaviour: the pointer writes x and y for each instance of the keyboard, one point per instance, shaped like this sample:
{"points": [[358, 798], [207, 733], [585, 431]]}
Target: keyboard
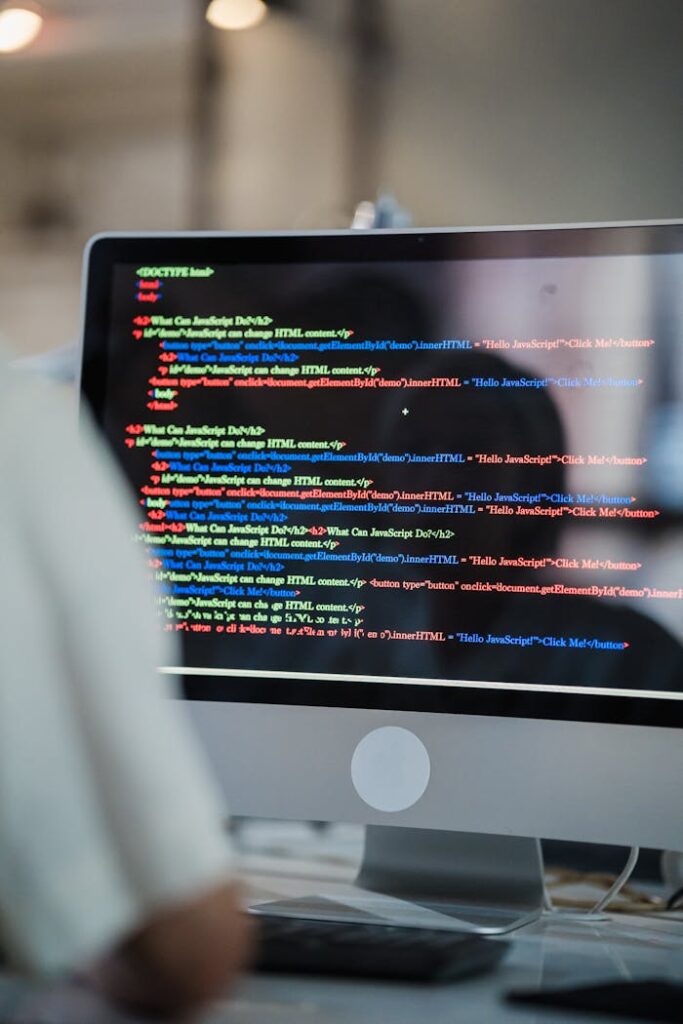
{"points": [[298, 946]]}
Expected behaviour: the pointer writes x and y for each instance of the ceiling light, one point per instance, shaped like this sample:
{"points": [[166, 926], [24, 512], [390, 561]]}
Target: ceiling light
{"points": [[19, 26], [236, 14]]}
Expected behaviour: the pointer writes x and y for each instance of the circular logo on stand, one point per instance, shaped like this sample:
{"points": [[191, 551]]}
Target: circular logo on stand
{"points": [[390, 768]]}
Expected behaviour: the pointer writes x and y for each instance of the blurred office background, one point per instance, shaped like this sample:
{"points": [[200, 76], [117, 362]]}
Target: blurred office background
{"points": [[139, 115]]}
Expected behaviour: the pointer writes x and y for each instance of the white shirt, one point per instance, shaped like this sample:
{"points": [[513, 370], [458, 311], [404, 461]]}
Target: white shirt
{"points": [[106, 810]]}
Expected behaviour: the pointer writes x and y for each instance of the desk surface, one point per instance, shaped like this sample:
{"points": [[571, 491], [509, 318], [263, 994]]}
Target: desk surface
{"points": [[547, 953], [552, 952]]}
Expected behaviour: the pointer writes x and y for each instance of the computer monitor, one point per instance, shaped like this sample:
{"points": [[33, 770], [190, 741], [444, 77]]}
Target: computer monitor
{"points": [[414, 503]]}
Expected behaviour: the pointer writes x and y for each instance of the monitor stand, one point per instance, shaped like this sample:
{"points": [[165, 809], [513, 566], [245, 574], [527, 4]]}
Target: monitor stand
{"points": [[493, 883], [427, 878]]}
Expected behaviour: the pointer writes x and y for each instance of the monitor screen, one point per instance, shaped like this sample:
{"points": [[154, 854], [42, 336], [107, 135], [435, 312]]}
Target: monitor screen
{"points": [[439, 467]]}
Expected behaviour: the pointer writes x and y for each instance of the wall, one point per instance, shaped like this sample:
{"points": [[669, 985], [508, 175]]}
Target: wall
{"points": [[493, 111]]}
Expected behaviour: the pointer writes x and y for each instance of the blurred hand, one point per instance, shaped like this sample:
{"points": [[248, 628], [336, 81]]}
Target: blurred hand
{"points": [[182, 958]]}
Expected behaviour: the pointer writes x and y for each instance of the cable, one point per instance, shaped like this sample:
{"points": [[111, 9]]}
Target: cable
{"points": [[573, 907], [619, 882], [671, 903], [547, 901]]}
